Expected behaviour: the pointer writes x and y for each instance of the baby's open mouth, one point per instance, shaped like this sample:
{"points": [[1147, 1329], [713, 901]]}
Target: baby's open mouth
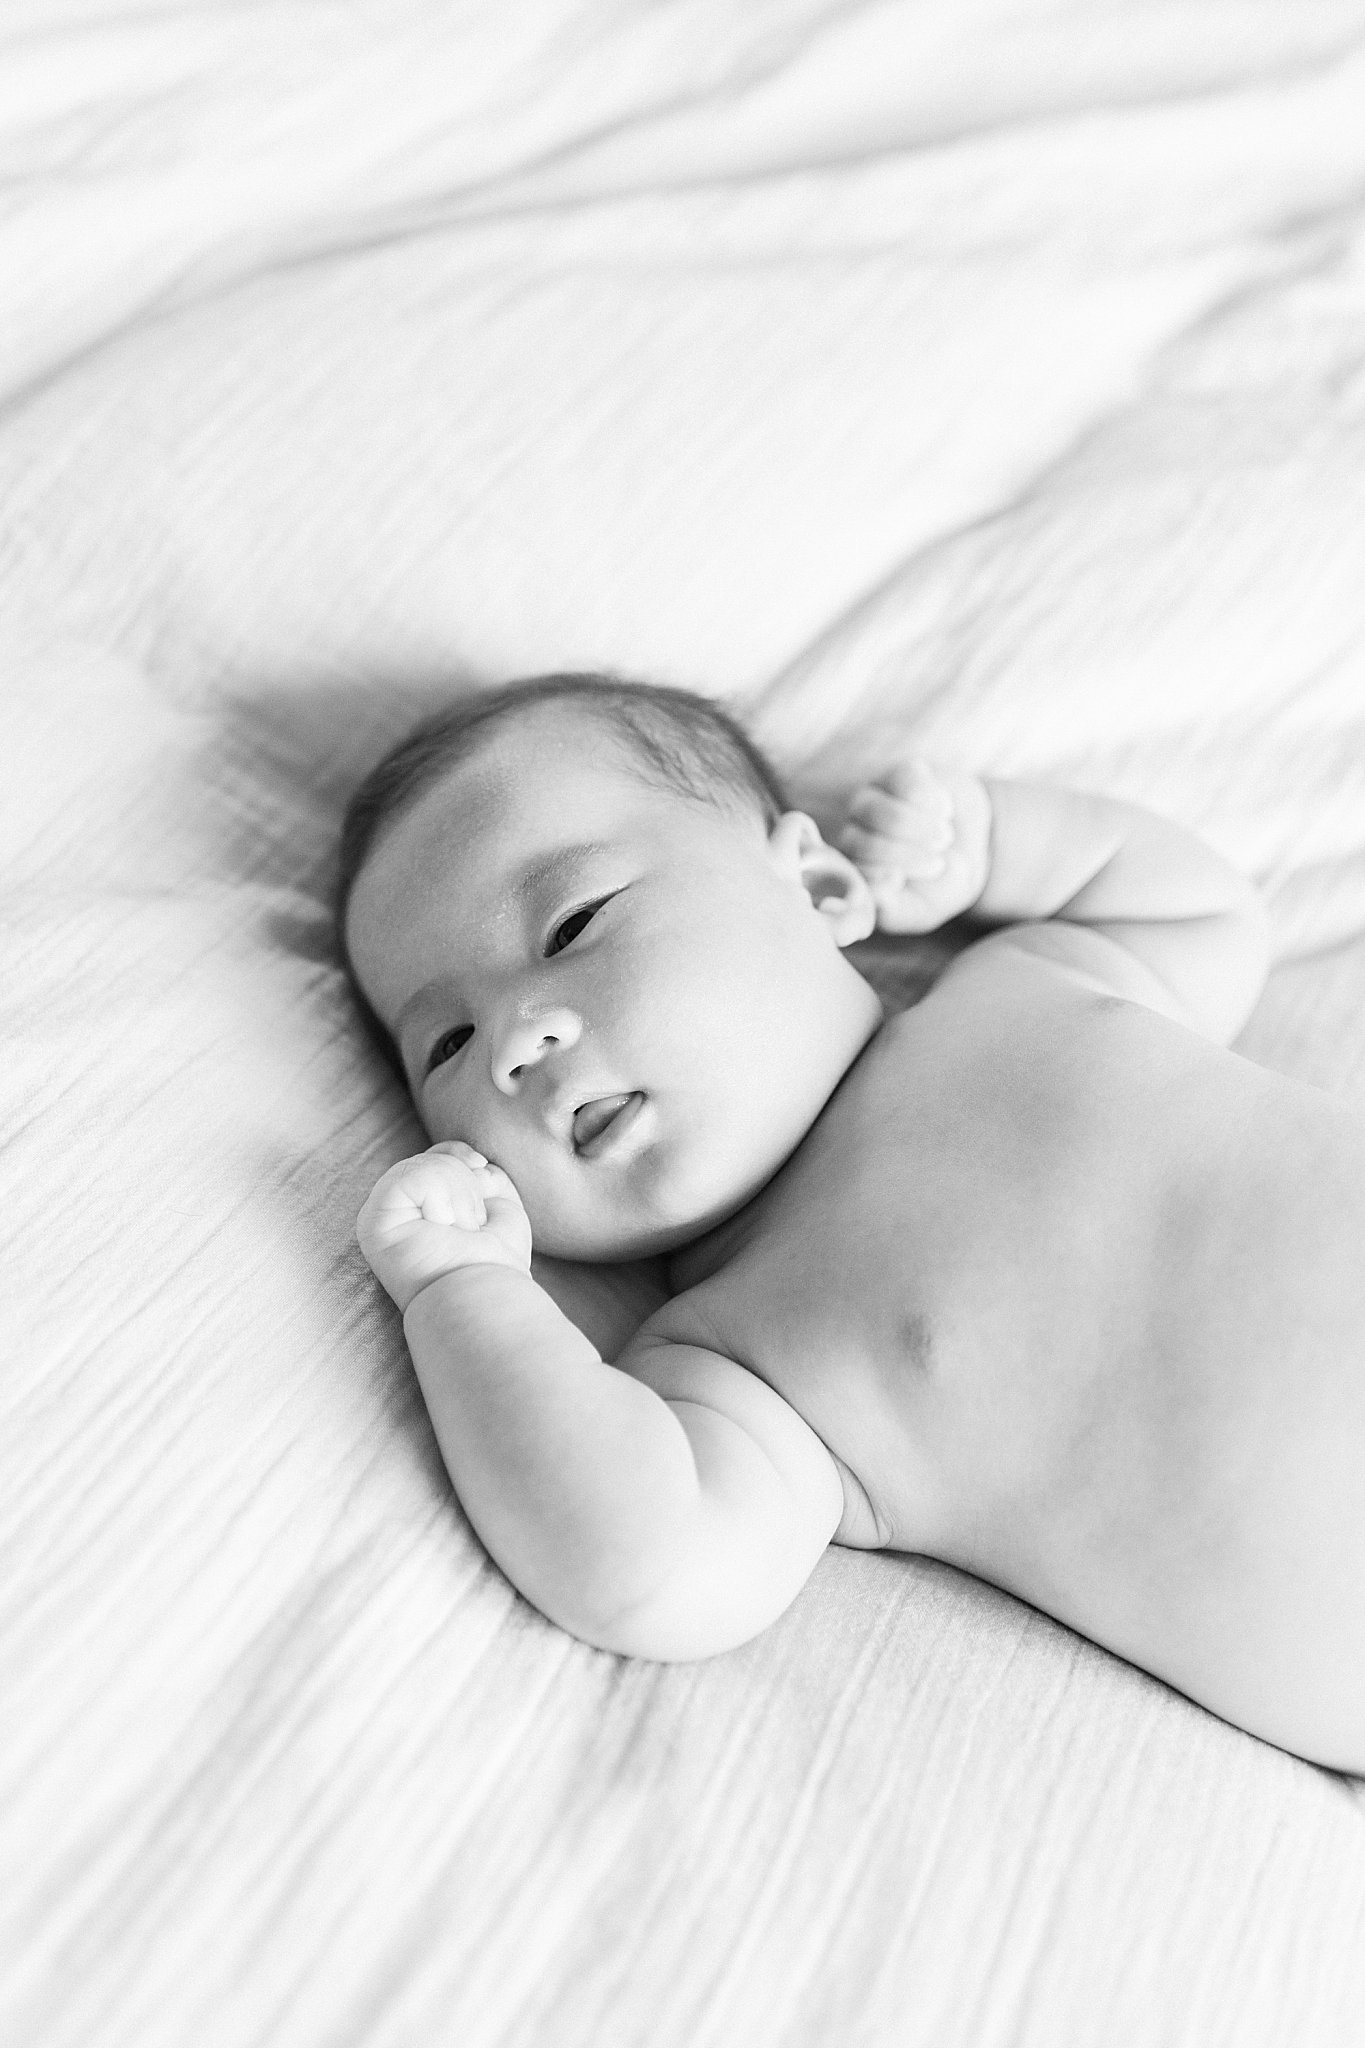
{"points": [[599, 1123]]}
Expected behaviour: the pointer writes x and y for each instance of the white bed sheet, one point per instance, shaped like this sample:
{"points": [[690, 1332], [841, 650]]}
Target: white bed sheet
{"points": [[991, 373]]}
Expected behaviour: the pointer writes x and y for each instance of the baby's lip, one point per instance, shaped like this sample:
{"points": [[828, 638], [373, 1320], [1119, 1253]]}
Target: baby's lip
{"points": [[602, 1120]]}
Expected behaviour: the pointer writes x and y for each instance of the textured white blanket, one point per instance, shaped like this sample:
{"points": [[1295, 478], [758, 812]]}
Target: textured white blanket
{"points": [[989, 370]]}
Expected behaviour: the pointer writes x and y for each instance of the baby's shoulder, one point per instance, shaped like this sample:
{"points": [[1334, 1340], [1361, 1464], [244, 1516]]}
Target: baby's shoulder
{"points": [[1008, 1045], [1041, 971], [991, 989], [1044, 987]]}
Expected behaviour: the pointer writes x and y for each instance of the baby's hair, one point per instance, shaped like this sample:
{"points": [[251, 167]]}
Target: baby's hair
{"points": [[678, 740]]}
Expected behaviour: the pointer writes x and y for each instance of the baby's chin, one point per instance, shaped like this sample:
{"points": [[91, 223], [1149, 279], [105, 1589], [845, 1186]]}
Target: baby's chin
{"points": [[617, 1235], [615, 1243]]}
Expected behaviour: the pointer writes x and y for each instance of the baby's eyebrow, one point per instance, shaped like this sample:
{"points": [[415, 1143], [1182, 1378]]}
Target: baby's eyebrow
{"points": [[554, 866]]}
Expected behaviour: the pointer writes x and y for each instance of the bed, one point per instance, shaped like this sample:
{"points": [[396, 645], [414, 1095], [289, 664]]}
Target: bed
{"points": [[987, 375]]}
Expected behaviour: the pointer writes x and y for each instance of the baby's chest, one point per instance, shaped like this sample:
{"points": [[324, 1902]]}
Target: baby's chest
{"points": [[944, 1323], [835, 1302]]}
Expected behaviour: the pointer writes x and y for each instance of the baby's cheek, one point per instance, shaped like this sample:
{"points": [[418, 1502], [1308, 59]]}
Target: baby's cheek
{"points": [[445, 1114]]}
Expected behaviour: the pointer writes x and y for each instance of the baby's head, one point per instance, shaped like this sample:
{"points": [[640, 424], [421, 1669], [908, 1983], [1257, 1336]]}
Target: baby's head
{"points": [[607, 954]]}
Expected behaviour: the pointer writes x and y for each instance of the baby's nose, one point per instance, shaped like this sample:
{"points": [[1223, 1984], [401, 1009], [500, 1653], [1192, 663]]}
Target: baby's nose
{"points": [[528, 1042]]}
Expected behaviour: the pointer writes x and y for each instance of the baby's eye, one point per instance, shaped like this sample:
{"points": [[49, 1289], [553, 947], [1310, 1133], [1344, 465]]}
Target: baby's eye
{"points": [[564, 934], [448, 1044]]}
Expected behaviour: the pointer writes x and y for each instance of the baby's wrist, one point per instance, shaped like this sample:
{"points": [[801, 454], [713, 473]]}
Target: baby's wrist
{"points": [[474, 1291]]}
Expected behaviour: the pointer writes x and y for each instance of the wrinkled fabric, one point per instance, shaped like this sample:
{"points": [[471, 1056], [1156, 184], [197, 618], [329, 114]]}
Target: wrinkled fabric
{"points": [[987, 378]]}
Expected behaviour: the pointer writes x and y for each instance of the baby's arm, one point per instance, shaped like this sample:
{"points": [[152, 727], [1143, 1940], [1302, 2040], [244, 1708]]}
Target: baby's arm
{"points": [[1127, 900], [669, 1515]]}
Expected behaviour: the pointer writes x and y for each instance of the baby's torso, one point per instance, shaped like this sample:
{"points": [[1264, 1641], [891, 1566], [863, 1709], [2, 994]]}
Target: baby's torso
{"points": [[1050, 1277]]}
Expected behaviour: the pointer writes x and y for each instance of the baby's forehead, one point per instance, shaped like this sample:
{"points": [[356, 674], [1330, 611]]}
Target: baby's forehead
{"points": [[505, 831], [565, 746], [555, 765], [573, 756]]}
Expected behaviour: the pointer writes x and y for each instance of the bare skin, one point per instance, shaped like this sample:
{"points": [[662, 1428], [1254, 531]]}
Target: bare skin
{"points": [[1036, 1278]]}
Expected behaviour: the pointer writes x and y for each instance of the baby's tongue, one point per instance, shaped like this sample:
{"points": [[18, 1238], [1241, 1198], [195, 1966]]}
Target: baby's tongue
{"points": [[595, 1116]]}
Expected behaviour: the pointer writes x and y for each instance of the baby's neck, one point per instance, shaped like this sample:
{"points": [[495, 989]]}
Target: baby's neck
{"points": [[687, 1265]]}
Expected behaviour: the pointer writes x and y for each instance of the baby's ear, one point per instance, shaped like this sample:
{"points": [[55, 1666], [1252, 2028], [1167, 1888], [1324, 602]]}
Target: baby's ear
{"points": [[836, 888]]}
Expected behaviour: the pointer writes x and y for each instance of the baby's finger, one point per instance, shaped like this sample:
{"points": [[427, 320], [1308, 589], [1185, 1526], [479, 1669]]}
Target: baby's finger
{"points": [[904, 817], [875, 852], [449, 1197], [434, 1187], [903, 903], [914, 779], [458, 1149], [489, 1177], [498, 1189]]}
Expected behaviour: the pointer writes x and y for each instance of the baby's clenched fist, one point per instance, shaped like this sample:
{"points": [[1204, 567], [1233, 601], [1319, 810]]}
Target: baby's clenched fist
{"points": [[922, 838], [446, 1208]]}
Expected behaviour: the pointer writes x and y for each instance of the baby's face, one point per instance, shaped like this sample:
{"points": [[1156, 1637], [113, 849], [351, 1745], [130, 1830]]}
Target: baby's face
{"points": [[635, 1004]]}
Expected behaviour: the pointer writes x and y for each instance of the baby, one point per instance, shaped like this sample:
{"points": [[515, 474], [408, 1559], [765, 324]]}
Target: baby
{"points": [[1034, 1277]]}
